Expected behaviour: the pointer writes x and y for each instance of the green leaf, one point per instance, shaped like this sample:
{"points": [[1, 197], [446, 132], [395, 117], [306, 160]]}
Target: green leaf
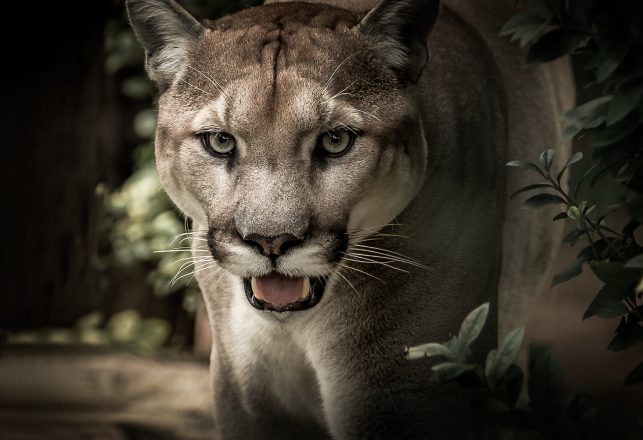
{"points": [[523, 164], [137, 87], [124, 326], [145, 123], [448, 371], [499, 361], [576, 157], [90, 321], [635, 376], [569, 272], [602, 173], [532, 187], [92, 336], [540, 200], [456, 347], [472, 325], [573, 235], [585, 116], [635, 263], [524, 26], [614, 272], [152, 335], [560, 216], [546, 159], [59, 336], [545, 385], [554, 44], [628, 333], [510, 385], [608, 303], [616, 132], [428, 350], [574, 213], [490, 365], [625, 100], [609, 58]]}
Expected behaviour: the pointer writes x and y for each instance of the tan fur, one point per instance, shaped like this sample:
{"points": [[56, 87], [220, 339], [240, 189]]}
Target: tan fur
{"points": [[425, 179]]}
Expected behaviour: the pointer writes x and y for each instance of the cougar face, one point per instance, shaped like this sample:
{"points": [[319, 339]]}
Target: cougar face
{"points": [[286, 133]]}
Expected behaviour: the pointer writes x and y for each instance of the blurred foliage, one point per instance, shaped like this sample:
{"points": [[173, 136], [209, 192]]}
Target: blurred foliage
{"points": [[141, 224], [552, 410], [606, 40], [614, 257], [140, 220], [125, 330]]}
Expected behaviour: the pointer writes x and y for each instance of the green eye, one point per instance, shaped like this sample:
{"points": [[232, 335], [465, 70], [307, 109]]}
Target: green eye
{"points": [[336, 142], [218, 143]]}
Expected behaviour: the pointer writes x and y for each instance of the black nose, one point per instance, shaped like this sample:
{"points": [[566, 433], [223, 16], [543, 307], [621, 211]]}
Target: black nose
{"points": [[272, 246]]}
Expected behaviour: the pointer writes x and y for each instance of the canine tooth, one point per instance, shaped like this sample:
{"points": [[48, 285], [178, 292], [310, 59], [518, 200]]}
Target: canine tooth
{"points": [[255, 291], [305, 290]]}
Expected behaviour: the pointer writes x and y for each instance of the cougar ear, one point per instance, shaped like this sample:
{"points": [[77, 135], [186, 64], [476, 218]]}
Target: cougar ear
{"points": [[165, 30], [401, 28]]}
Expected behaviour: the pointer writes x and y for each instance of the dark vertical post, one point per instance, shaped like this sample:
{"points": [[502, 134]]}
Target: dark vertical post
{"points": [[57, 143]]}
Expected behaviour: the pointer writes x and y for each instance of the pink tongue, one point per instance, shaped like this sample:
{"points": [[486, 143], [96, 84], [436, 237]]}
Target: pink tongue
{"points": [[278, 289]]}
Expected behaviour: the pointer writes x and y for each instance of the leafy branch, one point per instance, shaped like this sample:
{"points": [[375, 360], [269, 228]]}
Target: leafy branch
{"points": [[552, 411], [605, 42], [615, 258]]}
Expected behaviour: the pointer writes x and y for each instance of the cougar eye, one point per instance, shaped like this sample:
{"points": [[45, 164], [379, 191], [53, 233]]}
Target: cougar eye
{"points": [[336, 142], [218, 143]]}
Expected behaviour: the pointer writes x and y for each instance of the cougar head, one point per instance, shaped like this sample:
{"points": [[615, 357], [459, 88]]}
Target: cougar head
{"points": [[288, 129]]}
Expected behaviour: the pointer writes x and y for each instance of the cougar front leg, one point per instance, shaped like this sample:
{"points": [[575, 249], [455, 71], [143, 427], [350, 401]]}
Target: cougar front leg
{"points": [[368, 387], [393, 399], [235, 419]]}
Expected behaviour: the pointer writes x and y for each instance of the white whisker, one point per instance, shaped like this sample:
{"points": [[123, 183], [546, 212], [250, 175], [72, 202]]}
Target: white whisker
{"points": [[377, 249], [341, 92], [346, 127], [387, 253], [346, 279], [360, 271], [388, 259], [372, 227], [198, 88], [194, 272], [368, 114], [191, 238], [197, 259], [184, 249], [381, 263], [334, 73], [178, 273], [209, 78]]}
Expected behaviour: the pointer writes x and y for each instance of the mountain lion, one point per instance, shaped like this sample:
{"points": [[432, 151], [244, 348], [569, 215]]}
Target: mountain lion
{"points": [[343, 166]]}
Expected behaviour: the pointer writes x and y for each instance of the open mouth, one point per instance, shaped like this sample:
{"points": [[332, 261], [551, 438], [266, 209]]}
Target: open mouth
{"points": [[281, 293]]}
